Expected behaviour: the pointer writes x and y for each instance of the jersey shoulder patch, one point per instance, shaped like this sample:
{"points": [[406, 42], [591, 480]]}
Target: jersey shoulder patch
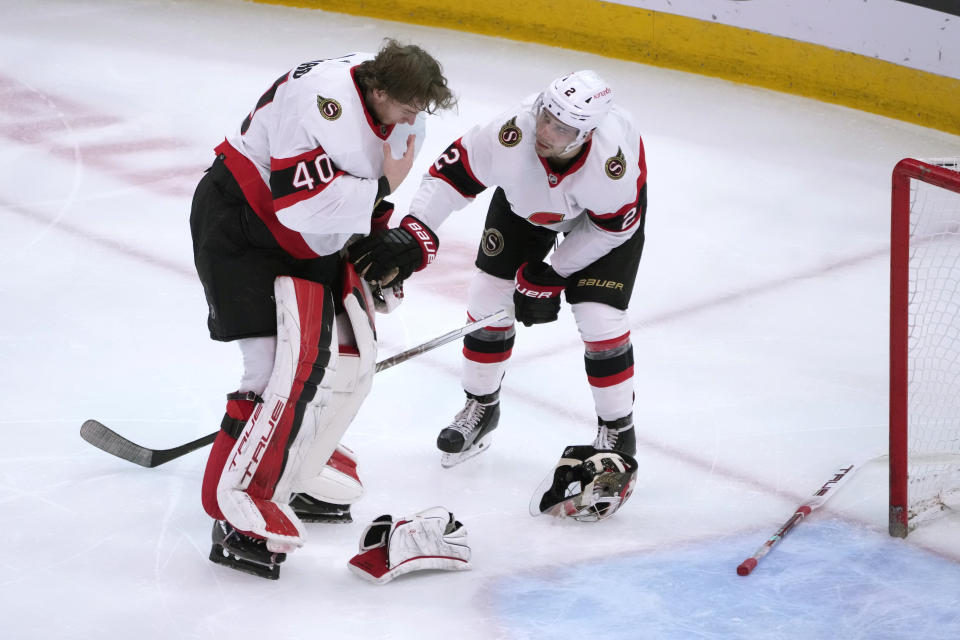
{"points": [[510, 134], [615, 167]]}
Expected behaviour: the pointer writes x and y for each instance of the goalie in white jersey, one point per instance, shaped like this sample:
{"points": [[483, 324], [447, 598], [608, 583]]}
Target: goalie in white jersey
{"points": [[307, 170], [568, 165]]}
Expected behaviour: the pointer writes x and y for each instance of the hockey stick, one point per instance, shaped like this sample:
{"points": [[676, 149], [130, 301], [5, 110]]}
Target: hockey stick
{"points": [[819, 498], [106, 439]]}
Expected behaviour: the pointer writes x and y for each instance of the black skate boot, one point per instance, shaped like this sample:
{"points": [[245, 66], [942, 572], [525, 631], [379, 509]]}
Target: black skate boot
{"points": [[617, 435], [244, 553], [309, 509], [469, 433]]}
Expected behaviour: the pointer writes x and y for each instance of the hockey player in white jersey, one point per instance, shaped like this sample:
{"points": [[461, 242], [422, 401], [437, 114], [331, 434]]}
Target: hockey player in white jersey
{"points": [[307, 171], [568, 165]]}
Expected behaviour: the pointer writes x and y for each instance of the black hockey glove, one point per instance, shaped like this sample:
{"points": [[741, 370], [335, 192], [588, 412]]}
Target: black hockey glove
{"points": [[389, 257], [536, 299]]}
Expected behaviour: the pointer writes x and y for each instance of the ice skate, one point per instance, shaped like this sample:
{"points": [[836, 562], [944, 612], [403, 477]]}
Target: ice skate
{"points": [[617, 435], [309, 509], [244, 553], [470, 432]]}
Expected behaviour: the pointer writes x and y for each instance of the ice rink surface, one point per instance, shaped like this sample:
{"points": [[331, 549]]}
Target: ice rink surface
{"points": [[759, 329]]}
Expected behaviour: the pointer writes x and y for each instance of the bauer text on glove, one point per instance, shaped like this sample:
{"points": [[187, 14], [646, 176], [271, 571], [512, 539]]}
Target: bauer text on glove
{"points": [[391, 256], [536, 299]]}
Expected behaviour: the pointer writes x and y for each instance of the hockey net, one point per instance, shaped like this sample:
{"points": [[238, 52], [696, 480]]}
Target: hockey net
{"points": [[924, 342]]}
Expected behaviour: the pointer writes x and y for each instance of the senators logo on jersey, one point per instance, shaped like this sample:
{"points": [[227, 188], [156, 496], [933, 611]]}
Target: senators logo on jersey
{"points": [[510, 133], [330, 109], [616, 166]]}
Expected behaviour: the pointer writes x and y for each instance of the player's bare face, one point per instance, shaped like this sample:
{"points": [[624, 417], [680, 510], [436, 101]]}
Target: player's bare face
{"points": [[388, 111], [553, 137]]}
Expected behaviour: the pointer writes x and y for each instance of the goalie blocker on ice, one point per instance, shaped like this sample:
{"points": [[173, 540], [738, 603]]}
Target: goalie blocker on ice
{"points": [[305, 173], [567, 165]]}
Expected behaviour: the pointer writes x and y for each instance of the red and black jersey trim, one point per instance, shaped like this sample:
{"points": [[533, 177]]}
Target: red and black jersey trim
{"points": [[264, 100], [630, 214], [301, 177], [453, 167], [624, 218], [260, 198], [554, 178]]}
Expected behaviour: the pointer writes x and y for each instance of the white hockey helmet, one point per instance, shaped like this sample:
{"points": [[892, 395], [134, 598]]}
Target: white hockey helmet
{"points": [[580, 100]]}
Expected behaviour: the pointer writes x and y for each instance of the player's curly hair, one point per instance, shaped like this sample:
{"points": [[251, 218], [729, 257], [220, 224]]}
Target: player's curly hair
{"points": [[409, 75]]}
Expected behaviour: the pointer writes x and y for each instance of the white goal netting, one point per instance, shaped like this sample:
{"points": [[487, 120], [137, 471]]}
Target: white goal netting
{"points": [[933, 343]]}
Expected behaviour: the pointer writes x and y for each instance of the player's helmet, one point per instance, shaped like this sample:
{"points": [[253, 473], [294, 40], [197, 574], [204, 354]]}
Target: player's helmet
{"points": [[580, 99], [588, 484]]}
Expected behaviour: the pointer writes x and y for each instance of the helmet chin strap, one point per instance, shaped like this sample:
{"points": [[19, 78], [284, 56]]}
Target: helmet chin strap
{"points": [[577, 142]]}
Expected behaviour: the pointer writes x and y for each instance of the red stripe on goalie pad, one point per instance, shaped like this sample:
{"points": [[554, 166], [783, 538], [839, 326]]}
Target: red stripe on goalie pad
{"points": [[344, 465], [609, 381], [314, 356], [276, 522]]}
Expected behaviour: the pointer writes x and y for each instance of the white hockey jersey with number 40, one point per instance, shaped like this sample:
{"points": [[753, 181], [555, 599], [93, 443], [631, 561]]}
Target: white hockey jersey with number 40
{"points": [[598, 202], [309, 155]]}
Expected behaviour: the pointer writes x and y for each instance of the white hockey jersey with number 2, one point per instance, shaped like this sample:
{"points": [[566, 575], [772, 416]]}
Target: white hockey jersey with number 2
{"points": [[595, 201]]}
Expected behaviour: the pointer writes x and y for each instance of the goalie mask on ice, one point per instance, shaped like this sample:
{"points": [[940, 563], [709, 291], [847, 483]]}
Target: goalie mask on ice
{"points": [[587, 484]]}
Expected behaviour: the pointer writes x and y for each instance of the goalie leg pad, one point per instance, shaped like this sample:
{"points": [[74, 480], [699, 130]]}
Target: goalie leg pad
{"points": [[337, 481], [432, 539], [240, 407], [332, 491], [254, 489], [329, 470]]}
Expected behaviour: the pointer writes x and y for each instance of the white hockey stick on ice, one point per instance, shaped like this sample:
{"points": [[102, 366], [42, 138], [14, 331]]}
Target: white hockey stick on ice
{"points": [[818, 499]]}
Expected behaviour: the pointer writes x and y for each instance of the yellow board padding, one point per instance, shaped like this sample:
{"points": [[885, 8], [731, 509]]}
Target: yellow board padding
{"points": [[686, 44]]}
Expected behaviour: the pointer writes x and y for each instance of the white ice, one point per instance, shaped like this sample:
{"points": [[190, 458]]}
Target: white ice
{"points": [[759, 328]]}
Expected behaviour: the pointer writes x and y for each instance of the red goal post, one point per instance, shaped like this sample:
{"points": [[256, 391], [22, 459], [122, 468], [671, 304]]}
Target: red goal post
{"points": [[924, 341]]}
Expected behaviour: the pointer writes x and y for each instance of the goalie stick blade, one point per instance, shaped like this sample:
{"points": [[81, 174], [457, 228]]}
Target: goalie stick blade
{"points": [[106, 439]]}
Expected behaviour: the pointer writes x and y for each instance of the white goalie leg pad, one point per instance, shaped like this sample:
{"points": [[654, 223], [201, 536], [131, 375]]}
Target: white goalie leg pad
{"points": [[254, 489], [329, 471], [337, 482], [432, 539]]}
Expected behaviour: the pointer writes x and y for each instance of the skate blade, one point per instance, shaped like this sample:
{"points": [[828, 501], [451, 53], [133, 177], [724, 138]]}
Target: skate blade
{"points": [[448, 460], [325, 518], [219, 556]]}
